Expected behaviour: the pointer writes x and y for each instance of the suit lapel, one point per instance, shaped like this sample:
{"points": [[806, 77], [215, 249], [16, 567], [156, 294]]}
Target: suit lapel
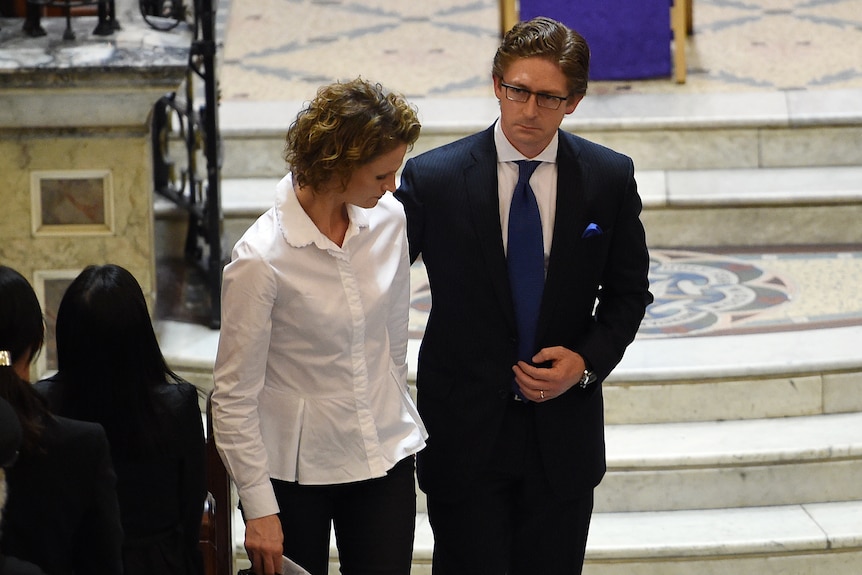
{"points": [[480, 179], [571, 177]]}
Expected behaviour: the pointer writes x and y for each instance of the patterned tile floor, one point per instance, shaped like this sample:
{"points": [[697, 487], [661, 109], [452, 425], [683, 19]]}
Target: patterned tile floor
{"points": [[733, 292], [442, 48], [283, 49]]}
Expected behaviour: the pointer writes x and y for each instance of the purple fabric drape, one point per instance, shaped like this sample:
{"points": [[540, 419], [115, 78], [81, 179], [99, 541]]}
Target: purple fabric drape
{"points": [[629, 39]]}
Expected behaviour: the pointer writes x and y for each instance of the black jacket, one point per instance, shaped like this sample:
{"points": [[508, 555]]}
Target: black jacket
{"points": [[62, 513], [161, 496], [469, 346]]}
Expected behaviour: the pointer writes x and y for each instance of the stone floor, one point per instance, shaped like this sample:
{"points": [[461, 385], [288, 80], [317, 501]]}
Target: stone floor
{"points": [[283, 49]]}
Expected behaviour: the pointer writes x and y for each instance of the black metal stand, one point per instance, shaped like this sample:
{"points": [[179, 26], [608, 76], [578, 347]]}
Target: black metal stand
{"points": [[106, 10]]}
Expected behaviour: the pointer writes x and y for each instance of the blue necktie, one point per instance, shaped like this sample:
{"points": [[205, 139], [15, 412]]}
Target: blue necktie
{"points": [[526, 259]]}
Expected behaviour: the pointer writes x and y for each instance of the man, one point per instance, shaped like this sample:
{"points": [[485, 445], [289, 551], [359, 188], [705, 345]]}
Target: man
{"points": [[516, 441]]}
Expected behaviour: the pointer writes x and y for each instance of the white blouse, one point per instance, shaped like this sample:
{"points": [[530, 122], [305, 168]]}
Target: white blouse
{"points": [[311, 373]]}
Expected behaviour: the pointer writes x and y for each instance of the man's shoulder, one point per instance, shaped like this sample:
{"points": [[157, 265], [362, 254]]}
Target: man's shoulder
{"points": [[456, 150]]}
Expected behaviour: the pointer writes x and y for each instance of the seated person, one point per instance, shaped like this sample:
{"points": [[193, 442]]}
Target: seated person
{"points": [[61, 510], [10, 441], [112, 372]]}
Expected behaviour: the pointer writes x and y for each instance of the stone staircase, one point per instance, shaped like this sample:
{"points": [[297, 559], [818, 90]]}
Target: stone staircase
{"points": [[728, 454], [713, 169], [733, 454]]}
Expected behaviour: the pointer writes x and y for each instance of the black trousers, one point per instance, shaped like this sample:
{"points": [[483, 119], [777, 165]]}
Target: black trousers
{"points": [[374, 522], [510, 522]]}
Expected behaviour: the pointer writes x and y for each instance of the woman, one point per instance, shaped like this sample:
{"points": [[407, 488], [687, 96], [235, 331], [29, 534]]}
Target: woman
{"points": [[61, 513], [111, 371], [311, 409], [10, 443]]}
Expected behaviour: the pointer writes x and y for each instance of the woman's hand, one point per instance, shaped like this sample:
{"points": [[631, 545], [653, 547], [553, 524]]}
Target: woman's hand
{"points": [[264, 543]]}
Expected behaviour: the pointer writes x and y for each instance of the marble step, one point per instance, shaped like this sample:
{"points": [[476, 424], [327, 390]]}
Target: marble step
{"points": [[684, 467], [727, 464], [744, 377], [659, 131], [663, 469], [682, 208], [810, 539], [678, 467]]}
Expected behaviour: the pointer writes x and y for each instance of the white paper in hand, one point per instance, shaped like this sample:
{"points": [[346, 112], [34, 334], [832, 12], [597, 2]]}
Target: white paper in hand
{"points": [[288, 567]]}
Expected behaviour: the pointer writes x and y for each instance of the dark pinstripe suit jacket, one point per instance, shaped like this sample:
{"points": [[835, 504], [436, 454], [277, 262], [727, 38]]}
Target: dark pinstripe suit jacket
{"points": [[464, 372]]}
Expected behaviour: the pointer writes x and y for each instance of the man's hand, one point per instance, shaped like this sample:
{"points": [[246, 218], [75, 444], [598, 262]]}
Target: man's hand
{"points": [[543, 383], [264, 544]]}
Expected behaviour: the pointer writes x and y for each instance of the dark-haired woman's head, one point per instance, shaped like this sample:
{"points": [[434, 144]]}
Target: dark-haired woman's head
{"points": [[22, 332], [108, 356], [104, 325]]}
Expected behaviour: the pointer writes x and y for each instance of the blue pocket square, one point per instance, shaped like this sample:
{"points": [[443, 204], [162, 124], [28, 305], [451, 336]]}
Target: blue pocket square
{"points": [[592, 230]]}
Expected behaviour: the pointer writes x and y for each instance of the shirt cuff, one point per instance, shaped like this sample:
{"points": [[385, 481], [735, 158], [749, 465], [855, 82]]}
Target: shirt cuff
{"points": [[258, 501]]}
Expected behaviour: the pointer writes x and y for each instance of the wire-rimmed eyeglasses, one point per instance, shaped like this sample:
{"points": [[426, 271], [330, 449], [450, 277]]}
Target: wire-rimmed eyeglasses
{"points": [[517, 94]]}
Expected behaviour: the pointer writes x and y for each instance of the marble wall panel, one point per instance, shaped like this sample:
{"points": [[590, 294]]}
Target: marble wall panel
{"points": [[125, 157]]}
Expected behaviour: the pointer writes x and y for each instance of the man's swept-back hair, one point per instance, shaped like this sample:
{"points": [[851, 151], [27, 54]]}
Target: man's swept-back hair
{"points": [[546, 38], [345, 126]]}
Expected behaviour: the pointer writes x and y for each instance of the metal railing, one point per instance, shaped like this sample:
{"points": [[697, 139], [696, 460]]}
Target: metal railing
{"points": [[191, 180]]}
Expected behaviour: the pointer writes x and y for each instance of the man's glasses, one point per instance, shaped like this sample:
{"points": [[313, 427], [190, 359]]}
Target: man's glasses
{"points": [[516, 94]]}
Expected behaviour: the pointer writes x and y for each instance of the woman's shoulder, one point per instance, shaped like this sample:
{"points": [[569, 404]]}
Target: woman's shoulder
{"points": [[177, 393], [53, 390], [77, 430], [14, 566], [74, 440], [179, 401]]}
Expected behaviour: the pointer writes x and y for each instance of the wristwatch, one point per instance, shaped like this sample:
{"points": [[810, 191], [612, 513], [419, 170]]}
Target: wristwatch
{"points": [[588, 378]]}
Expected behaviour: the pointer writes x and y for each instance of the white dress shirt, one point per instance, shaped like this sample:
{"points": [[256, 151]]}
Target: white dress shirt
{"points": [[543, 183], [311, 373]]}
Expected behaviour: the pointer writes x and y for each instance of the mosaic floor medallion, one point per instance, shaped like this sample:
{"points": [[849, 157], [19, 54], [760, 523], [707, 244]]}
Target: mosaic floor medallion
{"points": [[700, 293]]}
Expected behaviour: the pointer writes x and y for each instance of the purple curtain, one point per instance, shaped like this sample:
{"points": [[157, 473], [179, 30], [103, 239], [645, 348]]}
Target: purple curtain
{"points": [[629, 39]]}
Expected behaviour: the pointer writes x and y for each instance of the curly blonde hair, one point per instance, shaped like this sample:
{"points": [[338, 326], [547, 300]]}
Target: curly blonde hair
{"points": [[345, 126]]}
